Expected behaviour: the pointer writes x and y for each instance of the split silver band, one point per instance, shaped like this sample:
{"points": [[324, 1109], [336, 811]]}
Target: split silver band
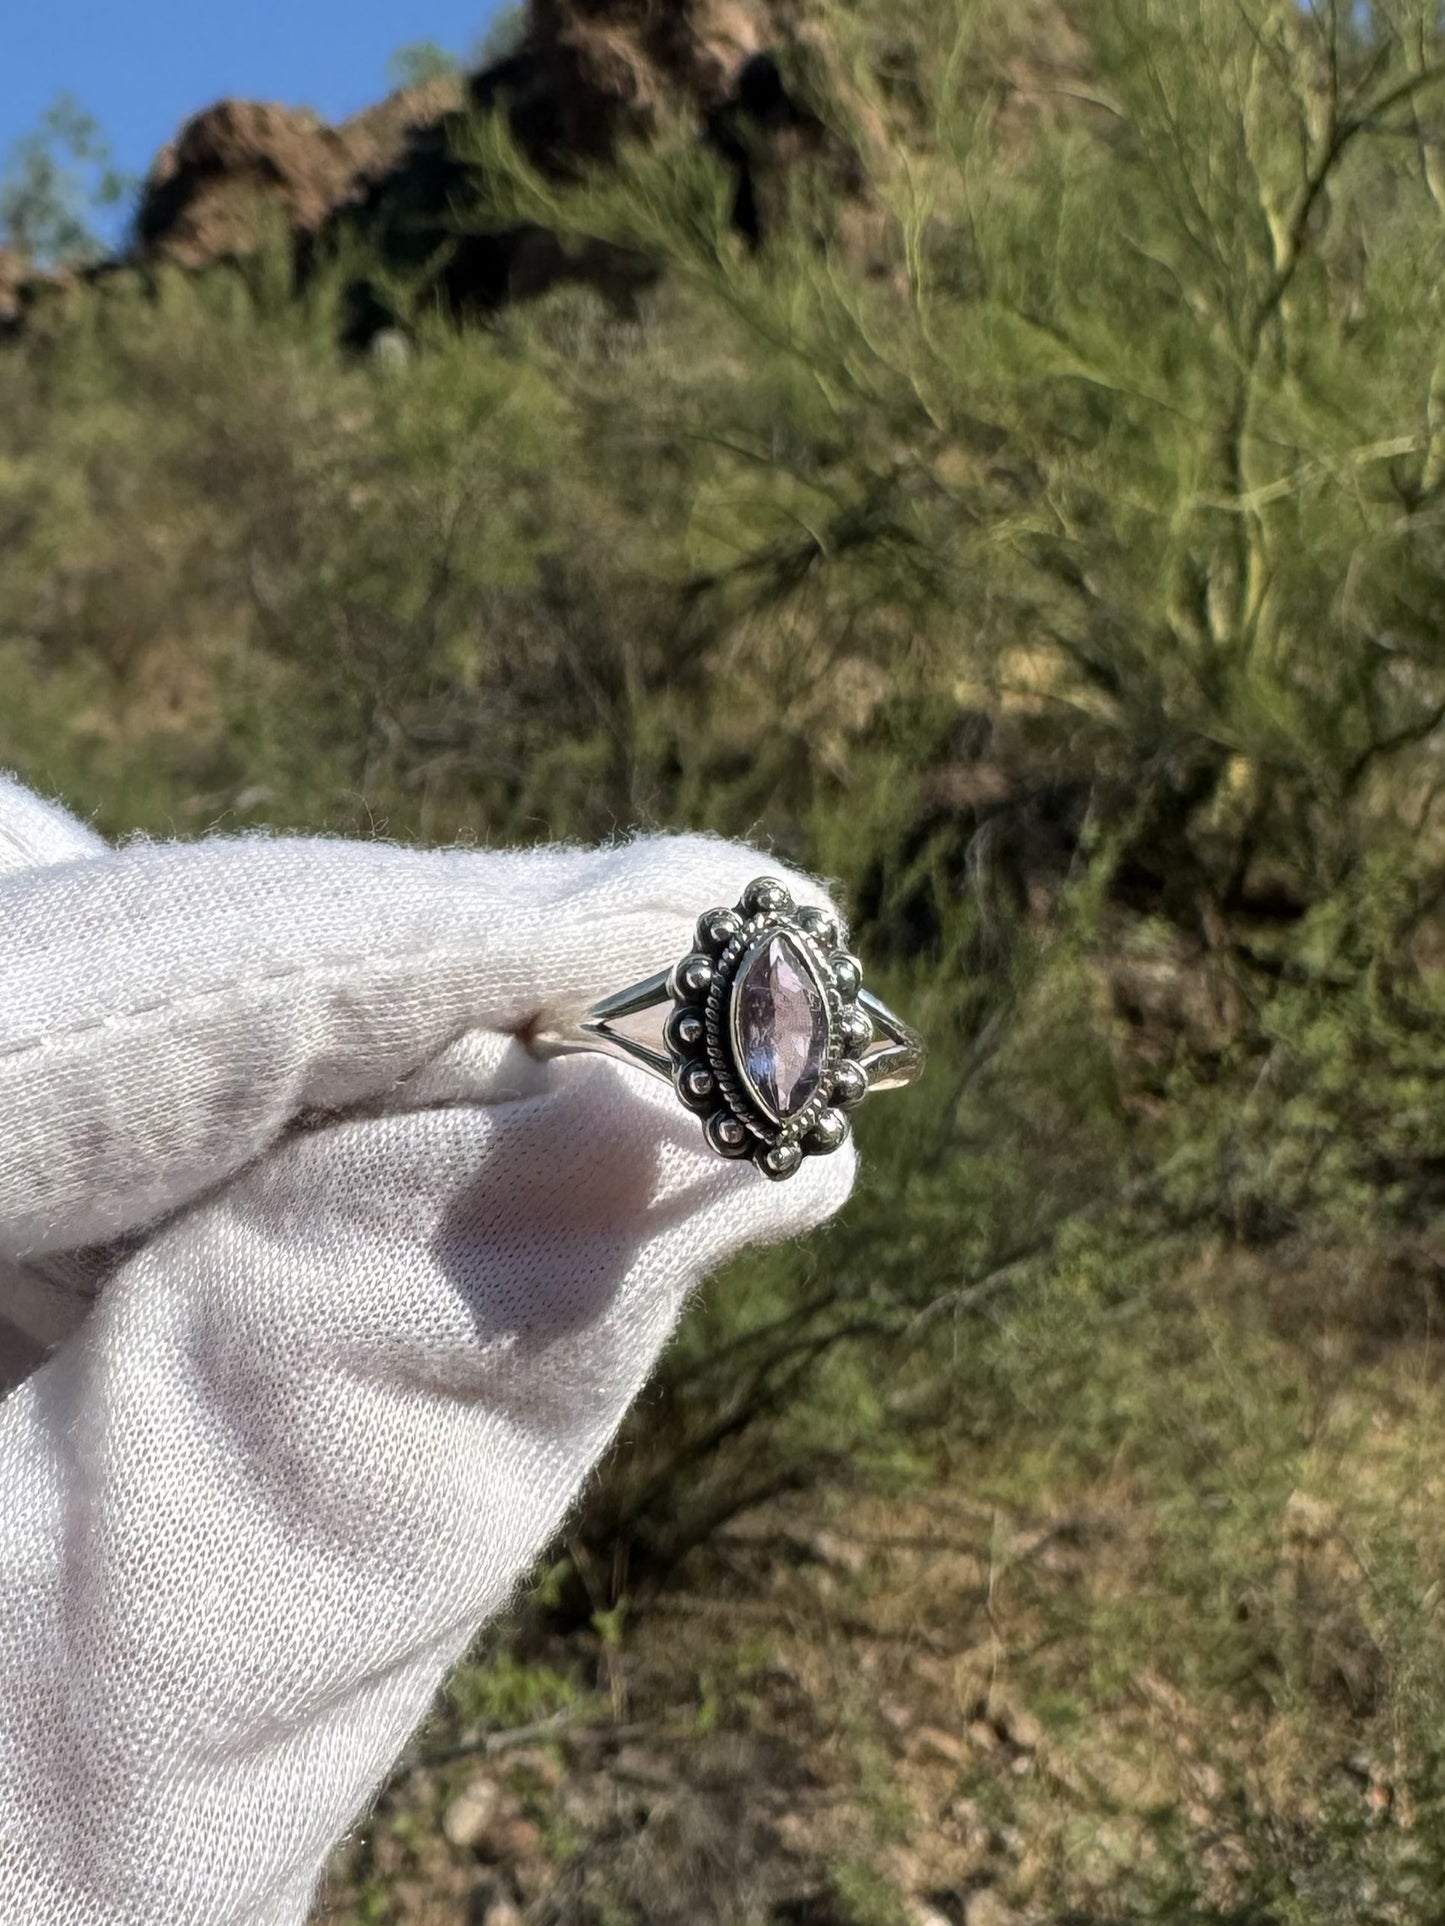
{"points": [[770, 1038], [889, 1064]]}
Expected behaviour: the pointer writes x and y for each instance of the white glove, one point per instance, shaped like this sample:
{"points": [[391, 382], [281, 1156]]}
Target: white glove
{"points": [[353, 1292]]}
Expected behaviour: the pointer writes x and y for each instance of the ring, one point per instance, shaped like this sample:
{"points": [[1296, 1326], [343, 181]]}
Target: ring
{"points": [[771, 1038]]}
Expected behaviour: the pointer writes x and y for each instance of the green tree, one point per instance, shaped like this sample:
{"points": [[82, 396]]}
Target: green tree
{"points": [[55, 180], [421, 61]]}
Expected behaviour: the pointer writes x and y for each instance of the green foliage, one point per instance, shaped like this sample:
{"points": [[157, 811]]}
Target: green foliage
{"points": [[865, 1899], [419, 62], [501, 1693], [53, 182]]}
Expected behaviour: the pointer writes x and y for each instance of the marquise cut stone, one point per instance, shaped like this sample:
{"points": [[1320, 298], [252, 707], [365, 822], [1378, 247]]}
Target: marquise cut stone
{"points": [[781, 1026]]}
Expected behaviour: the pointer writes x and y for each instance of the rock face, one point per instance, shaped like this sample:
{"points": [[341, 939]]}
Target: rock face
{"points": [[586, 75], [592, 73], [14, 273], [27, 291], [233, 171]]}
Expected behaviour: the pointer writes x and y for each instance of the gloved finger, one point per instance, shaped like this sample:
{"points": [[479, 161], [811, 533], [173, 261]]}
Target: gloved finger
{"points": [[481, 1067], [319, 1427], [37, 1308], [46, 1298], [34, 833], [167, 1010]]}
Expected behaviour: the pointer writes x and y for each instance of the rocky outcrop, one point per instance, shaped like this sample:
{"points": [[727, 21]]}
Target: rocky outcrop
{"points": [[14, 274], [239, 168], [28, 292], [586, 75], [593, 72]]}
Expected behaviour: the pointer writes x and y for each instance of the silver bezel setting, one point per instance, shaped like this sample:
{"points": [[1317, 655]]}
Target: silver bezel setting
{"points": [[776, 1144]]}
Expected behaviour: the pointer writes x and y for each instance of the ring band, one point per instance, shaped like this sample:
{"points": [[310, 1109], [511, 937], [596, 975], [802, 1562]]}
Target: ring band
{"points": [[771, 1038]]}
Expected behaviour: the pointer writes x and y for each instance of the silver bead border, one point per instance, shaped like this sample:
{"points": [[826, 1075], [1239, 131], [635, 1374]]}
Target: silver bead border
{"points": [[730, 1099]]}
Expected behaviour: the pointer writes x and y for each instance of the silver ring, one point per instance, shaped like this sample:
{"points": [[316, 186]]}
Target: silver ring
{"points": [[771, 1038]]}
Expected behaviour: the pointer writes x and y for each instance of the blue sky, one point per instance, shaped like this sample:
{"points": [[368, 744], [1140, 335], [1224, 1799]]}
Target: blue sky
{"points": [[142, 68]]}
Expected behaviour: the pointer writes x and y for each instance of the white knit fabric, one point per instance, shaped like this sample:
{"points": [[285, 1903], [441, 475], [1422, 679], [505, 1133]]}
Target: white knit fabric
{"points": [[343, 1294]]}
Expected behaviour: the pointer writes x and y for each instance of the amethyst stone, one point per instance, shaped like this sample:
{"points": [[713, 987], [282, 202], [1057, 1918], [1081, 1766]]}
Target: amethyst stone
{"points": [[780, 1026]]}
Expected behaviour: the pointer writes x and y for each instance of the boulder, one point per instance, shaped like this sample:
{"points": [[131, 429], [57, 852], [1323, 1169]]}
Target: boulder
{"points": [[15, 272], [238, 168]]}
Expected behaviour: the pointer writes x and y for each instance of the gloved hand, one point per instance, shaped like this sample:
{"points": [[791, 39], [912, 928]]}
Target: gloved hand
{"points": [[352, 1293]]}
